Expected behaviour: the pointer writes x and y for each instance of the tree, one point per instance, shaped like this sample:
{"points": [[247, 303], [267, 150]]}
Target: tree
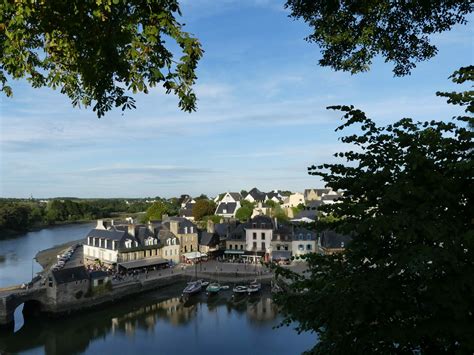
{"points": [[351, 33], [156, 211], [97, 51], [244, 213], [203, 208], [404, 284]]}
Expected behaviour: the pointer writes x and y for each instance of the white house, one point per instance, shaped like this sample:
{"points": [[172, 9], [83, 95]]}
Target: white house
{"points": [[258, 236], [228, 205], [255, 195], [303, 242]]}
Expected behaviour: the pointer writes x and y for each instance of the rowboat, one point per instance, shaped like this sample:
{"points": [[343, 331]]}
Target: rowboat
{"points": [[192, 288], [213, 288], [254, 287]]}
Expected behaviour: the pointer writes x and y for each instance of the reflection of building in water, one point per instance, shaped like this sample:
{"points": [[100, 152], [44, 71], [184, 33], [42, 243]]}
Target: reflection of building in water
{"points": [[262, 311], [176, 312]]}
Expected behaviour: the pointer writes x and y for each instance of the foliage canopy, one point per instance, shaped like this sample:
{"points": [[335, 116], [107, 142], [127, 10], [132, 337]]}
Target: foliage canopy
{"points": [[351, 33], [405, 283], [96, 51]]}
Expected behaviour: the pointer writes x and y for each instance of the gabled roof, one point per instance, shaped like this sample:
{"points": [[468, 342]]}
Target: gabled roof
{"points": [[306, 214], [236, 196], [229, 208], [256, 194], [70, 274]]}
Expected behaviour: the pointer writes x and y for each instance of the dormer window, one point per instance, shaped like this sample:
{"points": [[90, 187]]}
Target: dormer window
{"points": [[225, 211], [254, 225], [263, 225], [149, 241], [128, 243]]}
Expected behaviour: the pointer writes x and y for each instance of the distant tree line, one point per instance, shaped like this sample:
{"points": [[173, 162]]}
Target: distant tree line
{"points": [[18, 216]]}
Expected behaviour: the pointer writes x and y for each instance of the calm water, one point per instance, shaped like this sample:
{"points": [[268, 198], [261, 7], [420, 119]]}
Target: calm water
{"points": [[160, 323], [155, 322], [16, 254]]}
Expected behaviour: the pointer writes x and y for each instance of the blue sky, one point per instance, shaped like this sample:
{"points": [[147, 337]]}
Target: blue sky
{"points": [[261, 116]]}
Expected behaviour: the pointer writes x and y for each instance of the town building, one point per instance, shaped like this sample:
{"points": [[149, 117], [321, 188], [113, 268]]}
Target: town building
{"points": [[255, 195], [185, 230], [303, 241], [228, 205]]}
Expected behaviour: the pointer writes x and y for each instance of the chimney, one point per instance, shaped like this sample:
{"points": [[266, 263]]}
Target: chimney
{"points": [[100, 224], [131, 230], [174, 227], [210, 226]]}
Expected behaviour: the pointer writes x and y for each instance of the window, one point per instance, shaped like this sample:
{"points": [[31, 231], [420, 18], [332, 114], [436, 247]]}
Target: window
{"points": [[255, 245], [262, 225], [224, 211], [308, 247], [254, 236], [263, 245], [241, 247], [278, 247], [300, 247], [286, 247], [254, 225], [263, 235]]}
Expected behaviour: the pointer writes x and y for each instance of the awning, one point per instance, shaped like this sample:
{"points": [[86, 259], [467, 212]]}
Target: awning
{"points": [[143, 263], [239, 252], [194, 255], [281, 255]]}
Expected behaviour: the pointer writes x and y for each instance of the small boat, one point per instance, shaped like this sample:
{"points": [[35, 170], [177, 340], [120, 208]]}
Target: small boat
{"points": [[224, 287], [213, 288], [254, 287], [205, 283], [240, 290], [192, 288]]}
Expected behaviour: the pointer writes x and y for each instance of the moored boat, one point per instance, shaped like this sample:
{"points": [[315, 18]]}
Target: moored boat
{"points": [[254, 287], [240, 290], [213, 288], [192, 288]]}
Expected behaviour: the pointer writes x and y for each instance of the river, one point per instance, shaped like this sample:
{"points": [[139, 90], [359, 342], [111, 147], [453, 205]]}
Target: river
{"points": [[17, 254], [156, 321]]}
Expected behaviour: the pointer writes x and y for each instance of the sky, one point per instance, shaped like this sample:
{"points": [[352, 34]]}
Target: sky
{"points": [[261, 118]]}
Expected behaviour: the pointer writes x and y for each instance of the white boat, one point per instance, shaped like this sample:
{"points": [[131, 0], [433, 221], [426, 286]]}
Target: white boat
{"points": [[240, 290], [254, 287], [193, 288], [205, 283], [224, 287], [213, 288]]}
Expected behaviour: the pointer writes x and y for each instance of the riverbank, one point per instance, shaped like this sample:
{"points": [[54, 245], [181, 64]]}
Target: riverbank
{"points": [[46, 258]]}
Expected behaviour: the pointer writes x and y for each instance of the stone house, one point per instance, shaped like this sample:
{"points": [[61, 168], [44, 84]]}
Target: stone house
{"points": [[68, 285], [185, 230]]}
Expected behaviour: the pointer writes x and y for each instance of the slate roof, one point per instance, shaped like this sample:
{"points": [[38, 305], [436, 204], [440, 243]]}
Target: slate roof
{"points": [[71, 274], [332, 240], [257, 194], [208, 239], [306, 213], [164, 235], [236, 196], [142, 233], [238, 233], [182, 222], [301, 233], [284, 232], [112, 234], [330, 197], [228, 207], [260, 222], [272, 194]]}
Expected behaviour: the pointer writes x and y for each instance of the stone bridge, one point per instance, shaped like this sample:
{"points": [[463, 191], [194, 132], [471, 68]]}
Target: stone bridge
{"points": [[34, 298]]}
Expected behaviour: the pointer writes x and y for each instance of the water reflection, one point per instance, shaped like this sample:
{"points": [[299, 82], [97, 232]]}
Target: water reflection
{"points": [[157, 320]]}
